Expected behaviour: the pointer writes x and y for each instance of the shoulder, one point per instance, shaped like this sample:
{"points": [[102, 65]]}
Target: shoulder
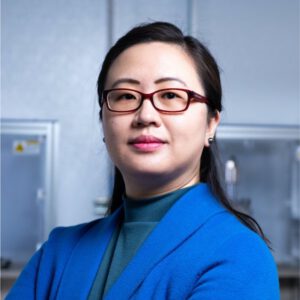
{"points": [[241, 246], [236, 259], [42, 274], [215, 233], [62, 240], [229, 237], [70, 234]]}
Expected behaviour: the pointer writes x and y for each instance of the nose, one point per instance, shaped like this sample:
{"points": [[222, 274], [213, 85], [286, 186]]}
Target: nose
{"points": [[146, 115]]}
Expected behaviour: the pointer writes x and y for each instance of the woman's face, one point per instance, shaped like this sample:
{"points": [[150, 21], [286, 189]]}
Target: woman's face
{"points": [[156, 152]]}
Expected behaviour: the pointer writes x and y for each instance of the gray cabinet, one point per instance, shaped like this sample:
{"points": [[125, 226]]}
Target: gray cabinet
{"points": [[261, 166], [28, 162]]}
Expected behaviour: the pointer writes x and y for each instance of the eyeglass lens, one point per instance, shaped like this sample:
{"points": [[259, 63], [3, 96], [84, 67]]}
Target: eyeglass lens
{"points": [[167, 100]]}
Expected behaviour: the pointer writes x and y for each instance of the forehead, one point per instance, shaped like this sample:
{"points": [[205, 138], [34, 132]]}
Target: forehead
{"points": [[148, 62]]}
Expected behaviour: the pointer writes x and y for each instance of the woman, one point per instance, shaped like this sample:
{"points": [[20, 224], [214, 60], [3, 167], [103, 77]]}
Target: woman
{"points": [[171, 232]]}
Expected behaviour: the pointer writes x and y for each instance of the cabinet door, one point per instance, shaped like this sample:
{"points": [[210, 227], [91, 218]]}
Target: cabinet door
{"points": [[22, 195]]}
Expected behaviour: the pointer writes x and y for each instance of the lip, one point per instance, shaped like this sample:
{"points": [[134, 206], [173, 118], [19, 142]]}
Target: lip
{"points": [[146, 143]]}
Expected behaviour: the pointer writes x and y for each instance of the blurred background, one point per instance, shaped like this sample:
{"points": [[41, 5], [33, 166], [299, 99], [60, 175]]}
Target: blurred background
{"points": [[54, 167]]}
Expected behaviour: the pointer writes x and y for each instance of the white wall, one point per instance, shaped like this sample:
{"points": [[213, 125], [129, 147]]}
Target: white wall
{"points": [[127, 14], [52, 51], [257, 46], [51, 55]]}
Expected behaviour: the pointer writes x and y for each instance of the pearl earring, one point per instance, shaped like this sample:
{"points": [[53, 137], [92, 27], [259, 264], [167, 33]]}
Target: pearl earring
{"points": [[210, 140]]}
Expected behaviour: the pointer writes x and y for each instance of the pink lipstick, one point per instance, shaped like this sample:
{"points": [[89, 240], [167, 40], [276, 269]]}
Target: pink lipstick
{"points": [[146, 143]]}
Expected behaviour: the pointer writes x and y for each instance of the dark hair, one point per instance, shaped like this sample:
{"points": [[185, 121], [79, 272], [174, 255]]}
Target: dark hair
{"points": [[209, 75]]}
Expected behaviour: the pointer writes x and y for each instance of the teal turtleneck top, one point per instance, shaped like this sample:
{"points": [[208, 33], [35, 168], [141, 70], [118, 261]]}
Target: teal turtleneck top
{"points": [[140, 218]]}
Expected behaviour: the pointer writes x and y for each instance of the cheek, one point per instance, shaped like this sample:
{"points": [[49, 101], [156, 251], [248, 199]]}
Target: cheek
{"points": [[112, 133], [111, 126], [115, 132], [190, 130], [112, 140]]}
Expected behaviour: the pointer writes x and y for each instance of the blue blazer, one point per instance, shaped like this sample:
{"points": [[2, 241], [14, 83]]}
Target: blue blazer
{"points": [[198, 251]]}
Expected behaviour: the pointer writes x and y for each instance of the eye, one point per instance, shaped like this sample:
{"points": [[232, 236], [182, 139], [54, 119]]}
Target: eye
{"points": [[124, 96], [127, 96], [169, 95]]}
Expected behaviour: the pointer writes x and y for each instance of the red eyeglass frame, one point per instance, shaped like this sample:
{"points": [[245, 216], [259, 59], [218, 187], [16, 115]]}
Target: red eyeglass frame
{"points": [[192, 96]]}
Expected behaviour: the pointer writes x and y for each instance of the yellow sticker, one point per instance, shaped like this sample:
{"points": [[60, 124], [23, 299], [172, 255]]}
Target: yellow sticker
{"points": [[26, 147], [19, 148]]}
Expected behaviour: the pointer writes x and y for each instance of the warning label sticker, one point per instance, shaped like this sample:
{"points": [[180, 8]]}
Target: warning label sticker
{"points": [[26, 147]]}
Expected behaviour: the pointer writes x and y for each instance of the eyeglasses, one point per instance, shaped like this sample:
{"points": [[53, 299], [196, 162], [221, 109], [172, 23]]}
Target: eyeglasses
{"points": [[164, 100]]}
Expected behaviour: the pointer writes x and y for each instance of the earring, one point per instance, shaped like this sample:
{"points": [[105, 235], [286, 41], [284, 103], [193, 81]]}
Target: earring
{"points": [[210, 140], [103, 140]]}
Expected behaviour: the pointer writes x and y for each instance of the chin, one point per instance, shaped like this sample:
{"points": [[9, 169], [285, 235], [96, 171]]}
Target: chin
{"points": [[148, 172]]}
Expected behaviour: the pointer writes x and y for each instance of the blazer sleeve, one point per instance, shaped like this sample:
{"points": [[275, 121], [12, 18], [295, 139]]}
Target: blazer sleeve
{"points": [[243, 268], [25, 286], [40, 277]]}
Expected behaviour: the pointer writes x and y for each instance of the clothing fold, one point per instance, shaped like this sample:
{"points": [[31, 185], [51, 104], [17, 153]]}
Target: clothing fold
{"points": [[198, 250]]}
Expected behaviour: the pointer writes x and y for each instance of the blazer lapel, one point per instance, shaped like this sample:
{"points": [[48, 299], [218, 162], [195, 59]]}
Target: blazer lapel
{"points": [[181, 221], [85, 259]]}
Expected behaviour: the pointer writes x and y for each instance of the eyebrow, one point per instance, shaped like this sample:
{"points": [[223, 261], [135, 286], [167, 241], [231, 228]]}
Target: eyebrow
{"points": [[134, 81], [164, 79], [125, 80]]}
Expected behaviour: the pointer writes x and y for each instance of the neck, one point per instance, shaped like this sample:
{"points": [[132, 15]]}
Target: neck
{"points": [[148, 186]]}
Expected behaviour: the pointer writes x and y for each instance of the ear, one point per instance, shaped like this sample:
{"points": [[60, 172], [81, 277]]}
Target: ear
{"points": [[212, 125]]}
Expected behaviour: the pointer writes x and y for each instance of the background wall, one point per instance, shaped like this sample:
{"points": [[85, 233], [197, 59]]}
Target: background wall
{"points": [[51, 55], [52, 52], [257, 45]]}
